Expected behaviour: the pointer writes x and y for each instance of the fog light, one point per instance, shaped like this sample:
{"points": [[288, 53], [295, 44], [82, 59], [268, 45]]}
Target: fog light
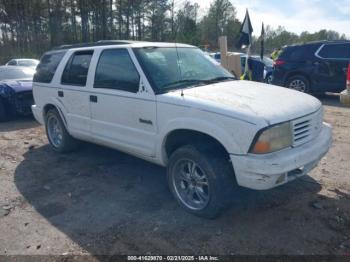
{"points": [[281, 179]]}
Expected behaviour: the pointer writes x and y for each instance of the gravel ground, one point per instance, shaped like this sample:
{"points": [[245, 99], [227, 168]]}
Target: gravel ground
{"points": [[100, 201]]}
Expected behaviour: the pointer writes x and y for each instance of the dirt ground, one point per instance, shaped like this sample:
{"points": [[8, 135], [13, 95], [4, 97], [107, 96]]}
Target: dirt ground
{"points": [[100, 201]]}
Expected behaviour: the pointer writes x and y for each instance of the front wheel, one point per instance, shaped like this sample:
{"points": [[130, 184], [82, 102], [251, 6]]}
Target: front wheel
{"points": [[60, 140], [202, 184]]}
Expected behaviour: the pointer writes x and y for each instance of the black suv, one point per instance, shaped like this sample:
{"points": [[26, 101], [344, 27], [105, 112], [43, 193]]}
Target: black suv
{"points": [[315, 67]]}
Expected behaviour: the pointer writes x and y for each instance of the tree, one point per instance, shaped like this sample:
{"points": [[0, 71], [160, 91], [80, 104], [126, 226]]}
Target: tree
{"points": [[220, 20], [186, 25], [30, 27]]}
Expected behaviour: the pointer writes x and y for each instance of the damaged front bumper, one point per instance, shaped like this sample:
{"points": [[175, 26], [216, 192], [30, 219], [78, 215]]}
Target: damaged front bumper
{"points": [[261, 172]]}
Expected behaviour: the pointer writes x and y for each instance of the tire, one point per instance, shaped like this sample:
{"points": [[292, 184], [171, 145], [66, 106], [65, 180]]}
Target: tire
{"points": [[59, 138], [4, 114], [299, 83], [214, 175], [268, 79]]}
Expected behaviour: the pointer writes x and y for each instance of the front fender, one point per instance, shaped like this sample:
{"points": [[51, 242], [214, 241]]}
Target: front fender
{"points": [[220, 134]]}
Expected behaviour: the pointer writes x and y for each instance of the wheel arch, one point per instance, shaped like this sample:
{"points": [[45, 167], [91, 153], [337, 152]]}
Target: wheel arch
{"points": [[178, 137], [51, 105]]}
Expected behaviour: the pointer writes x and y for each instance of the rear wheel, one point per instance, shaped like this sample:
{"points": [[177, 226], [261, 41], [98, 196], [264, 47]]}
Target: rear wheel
{"points": [[60, 140], [200, 182], [299, 83]]}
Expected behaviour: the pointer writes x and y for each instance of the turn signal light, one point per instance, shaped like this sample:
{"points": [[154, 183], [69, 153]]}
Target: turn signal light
{"points": [[261, 147]]}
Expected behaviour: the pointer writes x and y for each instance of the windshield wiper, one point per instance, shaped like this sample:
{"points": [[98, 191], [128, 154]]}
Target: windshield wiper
{"points": [[220, 78], [192, 82]]}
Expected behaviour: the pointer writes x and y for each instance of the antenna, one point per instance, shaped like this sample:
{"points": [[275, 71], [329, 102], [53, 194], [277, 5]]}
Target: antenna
{"points": [[177, 54], [178, 65]]}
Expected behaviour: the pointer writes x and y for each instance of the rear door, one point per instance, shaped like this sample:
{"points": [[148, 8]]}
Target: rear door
{"points": [[334, 59], [73, 93], [123, 111]]}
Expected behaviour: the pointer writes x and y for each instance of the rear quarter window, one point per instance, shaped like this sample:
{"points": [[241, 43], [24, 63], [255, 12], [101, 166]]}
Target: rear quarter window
{"points": [[335, 51], [47, 66]]}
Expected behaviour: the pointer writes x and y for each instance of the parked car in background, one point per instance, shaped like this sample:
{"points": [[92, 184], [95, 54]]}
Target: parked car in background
{"points": [[266, 64], [315, 67], [16, 95], [23, 62], [171, 105]]}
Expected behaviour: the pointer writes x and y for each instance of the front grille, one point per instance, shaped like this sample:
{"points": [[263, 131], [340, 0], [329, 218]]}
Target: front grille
{"points": [[307, 128], [24, 101]]}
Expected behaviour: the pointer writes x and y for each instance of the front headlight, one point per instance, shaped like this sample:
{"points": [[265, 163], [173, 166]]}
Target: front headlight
{"points": [[273, 139]]}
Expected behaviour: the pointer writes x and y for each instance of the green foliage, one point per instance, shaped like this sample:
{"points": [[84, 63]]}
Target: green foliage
{"points": [[30, 27], [220, 20]]}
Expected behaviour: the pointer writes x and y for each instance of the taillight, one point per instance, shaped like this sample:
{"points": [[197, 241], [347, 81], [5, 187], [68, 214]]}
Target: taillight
{"points": [[279, 62]]}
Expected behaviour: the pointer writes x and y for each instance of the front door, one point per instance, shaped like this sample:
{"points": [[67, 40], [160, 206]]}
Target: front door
{"points": [[123, 113], [334, 59]]}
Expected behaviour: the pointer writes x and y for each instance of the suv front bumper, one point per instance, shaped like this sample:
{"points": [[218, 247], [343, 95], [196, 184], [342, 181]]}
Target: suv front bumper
{"points": [[261, 172]]}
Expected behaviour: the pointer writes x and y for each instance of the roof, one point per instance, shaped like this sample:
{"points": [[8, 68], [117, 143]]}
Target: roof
{"points": [[323, 42], [119, 42]]}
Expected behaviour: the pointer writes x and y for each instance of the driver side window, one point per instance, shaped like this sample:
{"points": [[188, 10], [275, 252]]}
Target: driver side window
{"points": [[116, 70]]}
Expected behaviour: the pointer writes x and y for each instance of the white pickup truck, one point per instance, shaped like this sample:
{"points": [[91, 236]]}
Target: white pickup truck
{"points": [[174, 106]]}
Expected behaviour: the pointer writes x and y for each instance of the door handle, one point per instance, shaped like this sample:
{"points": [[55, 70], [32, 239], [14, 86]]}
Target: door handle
{"points": [[93, 99], [60, 93]]}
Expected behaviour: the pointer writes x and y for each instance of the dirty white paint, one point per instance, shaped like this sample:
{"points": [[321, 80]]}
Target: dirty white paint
{"points": [[231, 112]]}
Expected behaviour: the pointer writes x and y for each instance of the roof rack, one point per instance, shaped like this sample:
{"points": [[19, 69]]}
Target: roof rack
{"points": [[92, 44]]}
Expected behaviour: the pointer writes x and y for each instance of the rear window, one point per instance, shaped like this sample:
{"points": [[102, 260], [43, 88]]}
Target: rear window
{"points": [[47, 67], [337, 51], [299, 53]]}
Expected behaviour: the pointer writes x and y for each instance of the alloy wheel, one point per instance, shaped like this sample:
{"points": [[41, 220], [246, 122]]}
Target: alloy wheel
{"points": [[191, 184], [55, 131]]}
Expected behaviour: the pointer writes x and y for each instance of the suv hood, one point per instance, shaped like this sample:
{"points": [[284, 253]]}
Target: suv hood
{"points": [[249, 101]]}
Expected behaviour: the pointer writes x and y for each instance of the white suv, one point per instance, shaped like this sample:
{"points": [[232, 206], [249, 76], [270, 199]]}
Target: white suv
{"points": [[174, 106]]}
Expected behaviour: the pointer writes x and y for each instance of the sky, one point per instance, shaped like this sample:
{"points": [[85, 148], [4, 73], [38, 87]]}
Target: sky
{"points": [[294, 15]]}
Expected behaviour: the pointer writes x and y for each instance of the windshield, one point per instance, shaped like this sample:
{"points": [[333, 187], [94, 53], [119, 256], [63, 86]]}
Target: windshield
{"points": [[170, 68], [16, 73]]}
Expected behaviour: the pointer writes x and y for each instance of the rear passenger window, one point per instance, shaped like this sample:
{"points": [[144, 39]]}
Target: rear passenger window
{"points": [[338, 51], [115, 70], [76, 70], [47, 66]]}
